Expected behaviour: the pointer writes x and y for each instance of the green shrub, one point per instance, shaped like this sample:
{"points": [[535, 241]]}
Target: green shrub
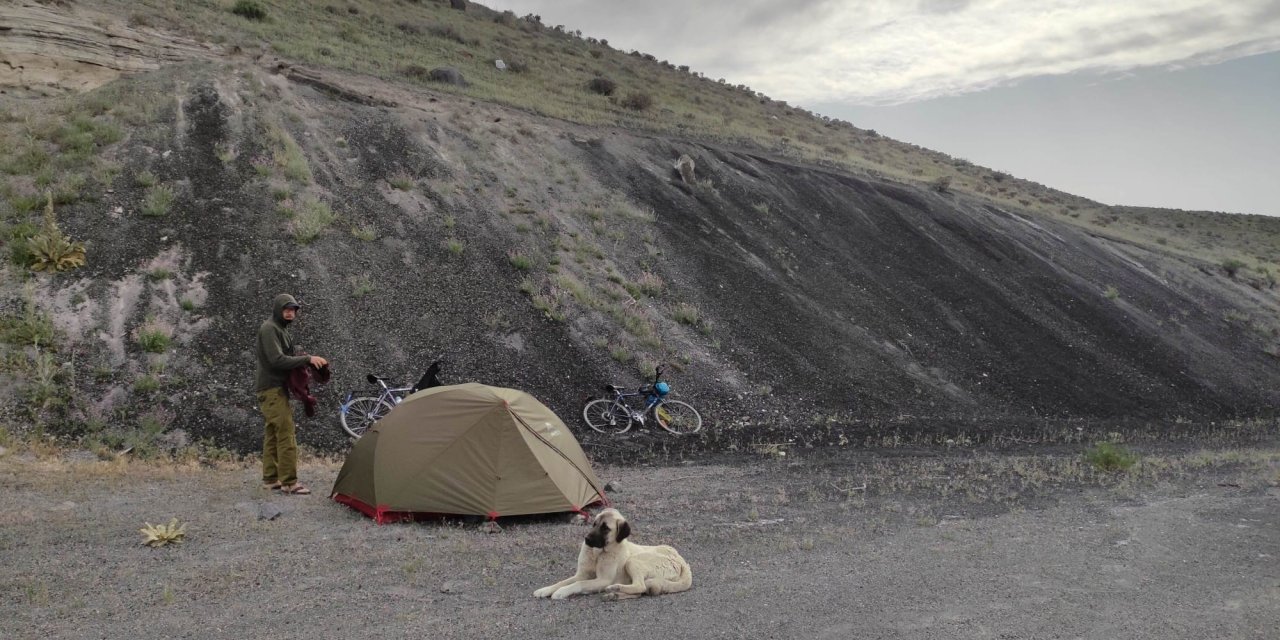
{"points": [[146, 384], [455, 246], [145, 178], [685, 314], [154, 338], [401, 181], [188, 305], [160, 273], [25, 202], [249, 9], [361, 285], [519, 260], [1232, 266], [366, 232], [1110, 457], [31, 327], [602, 86], [637, 101], [158, 200], [311, 219]]}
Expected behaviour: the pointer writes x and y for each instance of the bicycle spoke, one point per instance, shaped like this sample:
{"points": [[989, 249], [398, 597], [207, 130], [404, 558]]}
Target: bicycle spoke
{"points": [[605, 416], [362, 413], [677, 417]]}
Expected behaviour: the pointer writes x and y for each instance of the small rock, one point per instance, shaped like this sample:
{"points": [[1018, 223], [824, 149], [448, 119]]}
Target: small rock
{"points": [[501, 66], [269, 511], [491, 527], [166, 153], [613, 485], [3, 451]]}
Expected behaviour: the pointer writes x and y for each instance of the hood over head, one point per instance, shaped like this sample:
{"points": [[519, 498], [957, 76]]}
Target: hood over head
{"points": [[278, 305]]}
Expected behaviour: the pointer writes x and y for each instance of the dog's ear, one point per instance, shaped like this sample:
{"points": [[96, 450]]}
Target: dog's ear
{"points": [[624, 530]]}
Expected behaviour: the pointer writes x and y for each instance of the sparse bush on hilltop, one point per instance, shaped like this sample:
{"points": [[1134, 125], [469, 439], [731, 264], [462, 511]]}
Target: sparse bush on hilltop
{"points": [[942, 184], [602, 85], [638, 101], [249, 9], [447, 32], [415, 71], [1232, 266]]}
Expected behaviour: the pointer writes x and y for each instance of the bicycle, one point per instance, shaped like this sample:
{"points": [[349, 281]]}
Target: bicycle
{"points": [[615, 416], [357, 414]]}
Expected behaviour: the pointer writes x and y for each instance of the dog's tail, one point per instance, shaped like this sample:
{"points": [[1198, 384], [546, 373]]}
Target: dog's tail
{"points": [[682, 582]]}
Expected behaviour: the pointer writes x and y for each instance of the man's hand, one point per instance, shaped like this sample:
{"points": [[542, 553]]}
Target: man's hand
{"points": [[317, 361]]}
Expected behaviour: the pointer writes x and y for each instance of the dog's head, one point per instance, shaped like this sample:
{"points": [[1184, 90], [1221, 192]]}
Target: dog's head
{"points": [[607, 527]]}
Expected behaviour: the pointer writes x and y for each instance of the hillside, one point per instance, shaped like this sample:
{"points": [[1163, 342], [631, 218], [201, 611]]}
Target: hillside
{"points": [[807, 284]]}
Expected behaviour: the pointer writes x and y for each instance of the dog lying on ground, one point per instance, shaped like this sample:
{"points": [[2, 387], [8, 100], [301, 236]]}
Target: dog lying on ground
{"points": [[608, 562]]}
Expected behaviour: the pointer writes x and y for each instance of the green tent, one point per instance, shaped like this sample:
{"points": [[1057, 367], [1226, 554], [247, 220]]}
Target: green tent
{"points": [[467, 449]]}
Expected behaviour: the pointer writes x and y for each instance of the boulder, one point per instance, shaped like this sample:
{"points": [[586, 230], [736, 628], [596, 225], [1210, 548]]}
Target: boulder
{"points": [[684, 167], [447, 75]]}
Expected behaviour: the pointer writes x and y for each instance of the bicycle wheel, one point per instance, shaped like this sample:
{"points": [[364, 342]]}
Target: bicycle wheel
{"points": [[677, 417], [606, 416], [360, 413]]}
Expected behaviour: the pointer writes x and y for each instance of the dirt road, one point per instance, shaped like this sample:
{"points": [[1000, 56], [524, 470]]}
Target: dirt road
{"points": [[780, 549]]}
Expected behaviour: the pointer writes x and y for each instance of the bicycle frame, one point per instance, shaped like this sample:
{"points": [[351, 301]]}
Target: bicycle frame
{"points": [[390, 395], [620, 402]]}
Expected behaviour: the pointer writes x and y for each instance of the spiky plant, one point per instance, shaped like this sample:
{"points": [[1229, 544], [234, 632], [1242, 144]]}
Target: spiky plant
{"points": [[159, 535], [50, 249]]}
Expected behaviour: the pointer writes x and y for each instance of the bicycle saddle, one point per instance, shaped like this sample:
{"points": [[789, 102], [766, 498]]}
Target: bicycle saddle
{"points": [[612, 388], [374, 379]]}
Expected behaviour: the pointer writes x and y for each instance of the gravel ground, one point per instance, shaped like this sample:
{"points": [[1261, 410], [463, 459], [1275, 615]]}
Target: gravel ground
{"points": [[774, 556]]}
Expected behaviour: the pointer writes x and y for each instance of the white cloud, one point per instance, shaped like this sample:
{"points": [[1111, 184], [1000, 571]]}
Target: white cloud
{"points": [[892, 51]]}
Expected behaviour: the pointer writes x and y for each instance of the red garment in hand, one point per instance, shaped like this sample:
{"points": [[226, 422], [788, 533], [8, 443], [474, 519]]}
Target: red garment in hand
{"points": [[299, 385]]}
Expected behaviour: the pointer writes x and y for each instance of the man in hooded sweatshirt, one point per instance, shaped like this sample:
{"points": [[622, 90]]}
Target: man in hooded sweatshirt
{"points": [[275, 359]]}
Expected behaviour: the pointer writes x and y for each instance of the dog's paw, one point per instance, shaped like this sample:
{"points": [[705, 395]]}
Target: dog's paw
{"points": [[613, 588], [544, 592], [561, 594], [610, 595]]}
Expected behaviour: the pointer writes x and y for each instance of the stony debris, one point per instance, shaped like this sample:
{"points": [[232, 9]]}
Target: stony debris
{"points": [[269, 511]]}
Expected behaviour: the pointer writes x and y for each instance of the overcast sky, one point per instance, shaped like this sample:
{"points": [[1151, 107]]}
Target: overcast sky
{"points": [[1172, 103]]}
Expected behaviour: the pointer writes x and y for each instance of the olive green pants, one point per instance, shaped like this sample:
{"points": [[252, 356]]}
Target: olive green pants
{"points": [[279, 442]]}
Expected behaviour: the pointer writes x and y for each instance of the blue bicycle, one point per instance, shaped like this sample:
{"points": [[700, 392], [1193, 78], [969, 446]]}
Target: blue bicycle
{"points": [[615, 416]]}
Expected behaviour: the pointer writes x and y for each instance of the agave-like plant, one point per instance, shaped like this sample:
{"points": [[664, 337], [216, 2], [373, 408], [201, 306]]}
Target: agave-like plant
{"points": [[50, 249], [159, 535]]}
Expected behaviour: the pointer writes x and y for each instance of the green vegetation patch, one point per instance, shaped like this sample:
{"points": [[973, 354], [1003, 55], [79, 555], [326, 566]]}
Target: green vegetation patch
{"points": [[311, 218], [1108, 456]]}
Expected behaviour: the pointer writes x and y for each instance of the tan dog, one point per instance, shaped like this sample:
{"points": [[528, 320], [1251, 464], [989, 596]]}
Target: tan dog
{"points": [[609, 562]]}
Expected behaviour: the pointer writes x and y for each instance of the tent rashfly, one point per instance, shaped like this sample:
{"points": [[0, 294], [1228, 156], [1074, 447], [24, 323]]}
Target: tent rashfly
{"points": [[467, 449]]}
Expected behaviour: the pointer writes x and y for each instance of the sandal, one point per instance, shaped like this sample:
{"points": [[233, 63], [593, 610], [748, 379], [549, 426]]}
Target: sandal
{"points": [[295, 489], [270, 486]]}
